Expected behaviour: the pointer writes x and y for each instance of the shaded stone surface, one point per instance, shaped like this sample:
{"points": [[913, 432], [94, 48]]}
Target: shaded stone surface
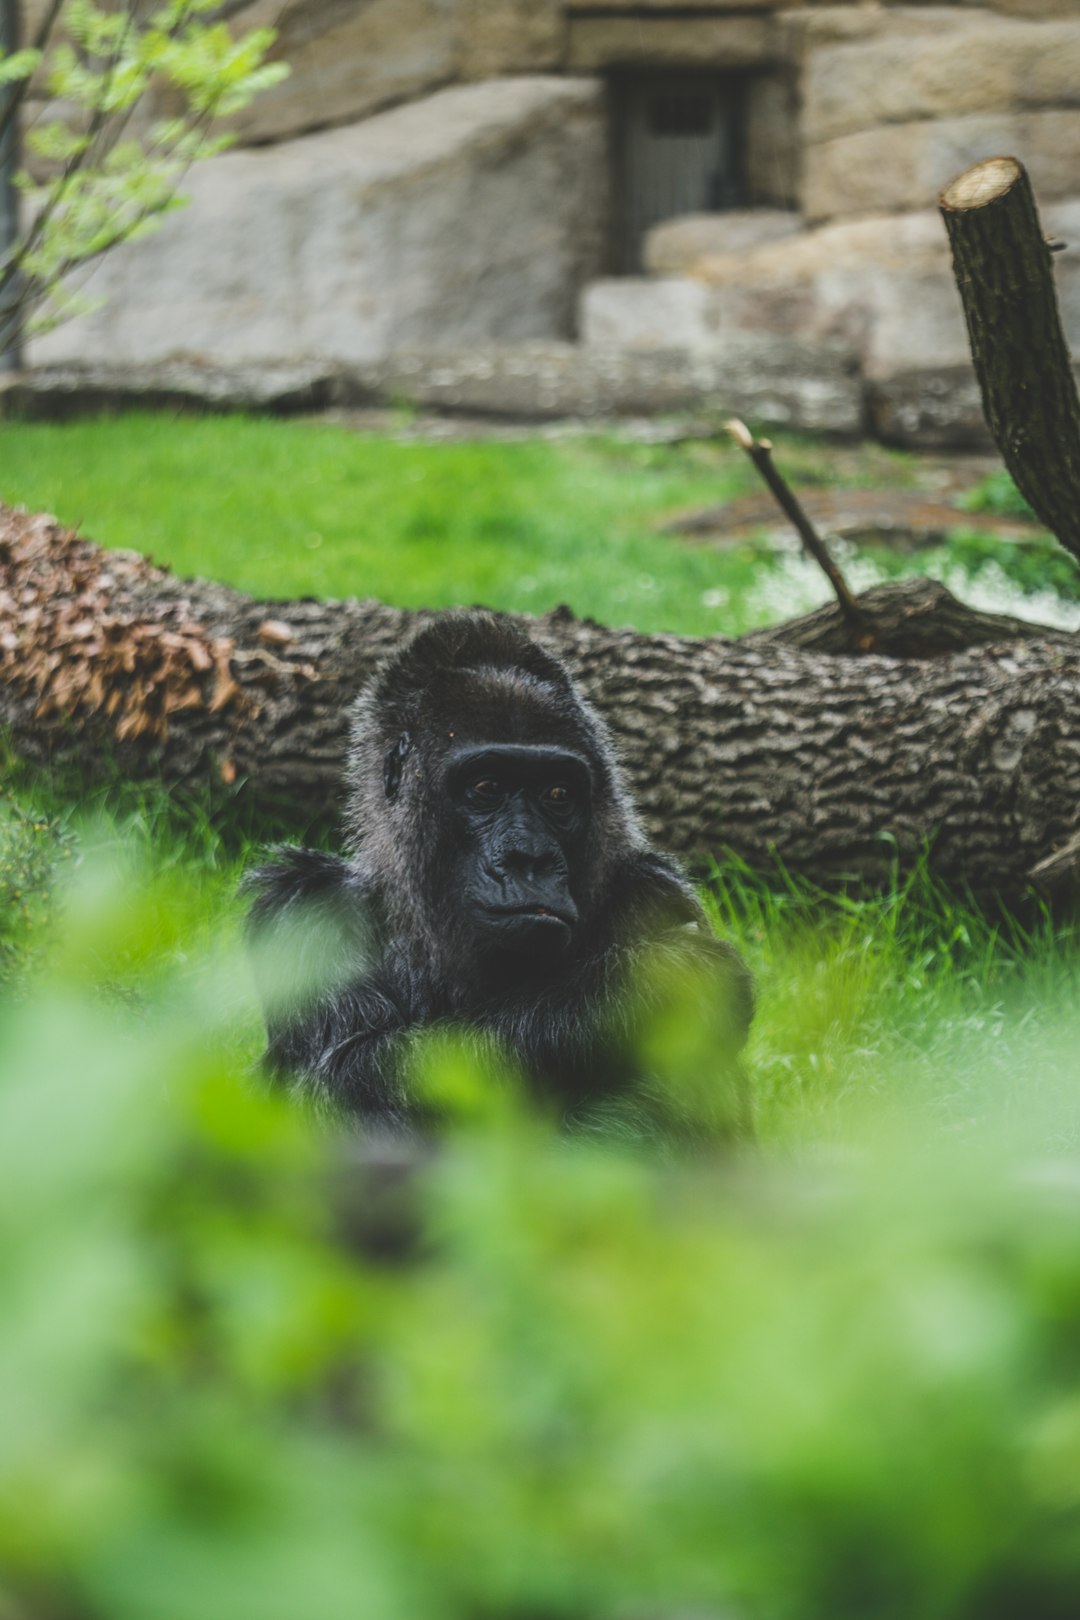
{"points": [[883, 284], [959, 64], [901, 166]]}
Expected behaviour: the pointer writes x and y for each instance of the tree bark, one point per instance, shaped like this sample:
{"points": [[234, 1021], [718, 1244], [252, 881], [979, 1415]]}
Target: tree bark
{"points": [[963, 733], [1003, 269]]}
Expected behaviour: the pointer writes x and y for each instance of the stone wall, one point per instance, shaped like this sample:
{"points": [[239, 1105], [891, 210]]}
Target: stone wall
{"points": [[852, 108], [434, 174], [890, 116]]}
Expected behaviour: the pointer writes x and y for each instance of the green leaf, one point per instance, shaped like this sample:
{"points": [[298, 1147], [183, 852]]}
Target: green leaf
{"points": [[18, 65]]}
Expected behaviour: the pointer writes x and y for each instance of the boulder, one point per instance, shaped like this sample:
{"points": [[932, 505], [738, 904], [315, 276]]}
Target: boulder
{"points": [[472, 216], [893, 110]]}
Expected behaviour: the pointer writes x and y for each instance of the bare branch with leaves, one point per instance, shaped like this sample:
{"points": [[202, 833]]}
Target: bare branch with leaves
{"points": [[108, 181]]}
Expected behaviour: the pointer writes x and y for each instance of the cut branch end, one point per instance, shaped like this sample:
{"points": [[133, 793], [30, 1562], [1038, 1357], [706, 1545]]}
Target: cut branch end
{"points": [[983, 183]]}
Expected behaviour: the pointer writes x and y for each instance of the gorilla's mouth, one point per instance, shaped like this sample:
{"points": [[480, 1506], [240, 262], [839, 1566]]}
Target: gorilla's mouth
{"points": [[539, 921]]}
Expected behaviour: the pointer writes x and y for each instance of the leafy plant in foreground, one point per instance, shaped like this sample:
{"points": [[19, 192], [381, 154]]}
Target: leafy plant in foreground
{"points": [[600, 1381]]}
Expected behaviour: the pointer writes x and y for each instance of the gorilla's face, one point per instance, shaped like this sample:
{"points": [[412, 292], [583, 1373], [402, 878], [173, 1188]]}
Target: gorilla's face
{"points": [[520, 814]]}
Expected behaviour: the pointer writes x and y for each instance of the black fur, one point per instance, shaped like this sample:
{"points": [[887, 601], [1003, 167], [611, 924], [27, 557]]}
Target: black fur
{"points": [[497, 882]]}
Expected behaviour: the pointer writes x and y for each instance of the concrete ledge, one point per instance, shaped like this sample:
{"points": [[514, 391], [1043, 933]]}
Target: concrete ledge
{"points": [[811, 387], [62, 392], [815, 387]]}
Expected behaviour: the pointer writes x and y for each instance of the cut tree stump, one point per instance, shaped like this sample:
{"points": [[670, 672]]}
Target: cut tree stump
{"points": [[1004, 270], [962, 733]]}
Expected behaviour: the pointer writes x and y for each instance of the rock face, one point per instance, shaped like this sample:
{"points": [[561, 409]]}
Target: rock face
{"points": [[473, 216], [883, 285], [347, 60], [351, 58]]}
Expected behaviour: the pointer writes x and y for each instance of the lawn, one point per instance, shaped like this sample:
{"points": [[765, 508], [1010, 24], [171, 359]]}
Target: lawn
{"points": [[310, 508], [830, 1375]]}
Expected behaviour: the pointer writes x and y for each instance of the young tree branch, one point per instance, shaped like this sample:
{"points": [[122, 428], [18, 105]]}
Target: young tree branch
{"points": [[858, 627]]}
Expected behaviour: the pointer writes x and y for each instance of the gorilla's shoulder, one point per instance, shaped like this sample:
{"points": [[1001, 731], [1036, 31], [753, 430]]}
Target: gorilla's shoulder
{"points": [[651, 887], [290, 874]]}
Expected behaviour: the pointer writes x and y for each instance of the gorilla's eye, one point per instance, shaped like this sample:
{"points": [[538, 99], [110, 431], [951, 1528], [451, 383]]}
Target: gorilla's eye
{"points": [[487, 788], [557, 794]]}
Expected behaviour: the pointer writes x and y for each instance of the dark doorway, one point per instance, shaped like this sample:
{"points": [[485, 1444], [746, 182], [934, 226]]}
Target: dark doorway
{"points": [[676, 148]]}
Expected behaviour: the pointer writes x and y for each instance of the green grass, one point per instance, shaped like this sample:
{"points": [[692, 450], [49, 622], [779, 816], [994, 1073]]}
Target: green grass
{"points": [[294, 509], [855, 992], [832, 1377], [287, 509]]}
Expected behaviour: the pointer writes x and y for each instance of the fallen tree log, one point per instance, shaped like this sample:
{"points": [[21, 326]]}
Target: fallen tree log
{"points": [[961, 731]]}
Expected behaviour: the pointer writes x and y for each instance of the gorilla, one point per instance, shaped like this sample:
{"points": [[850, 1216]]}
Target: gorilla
{"points": [[497, 885]]}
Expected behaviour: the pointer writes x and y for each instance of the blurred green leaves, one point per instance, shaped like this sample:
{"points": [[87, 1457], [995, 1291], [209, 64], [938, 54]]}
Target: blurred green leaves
{"points": [[832, 1380], [98, 176]]}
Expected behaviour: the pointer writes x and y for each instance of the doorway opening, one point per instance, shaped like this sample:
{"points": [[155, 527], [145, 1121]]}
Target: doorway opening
{"points": [[677, 148]]}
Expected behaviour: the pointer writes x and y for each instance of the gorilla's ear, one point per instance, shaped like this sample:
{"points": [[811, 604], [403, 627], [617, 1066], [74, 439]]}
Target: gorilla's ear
{"points": [[393, 762]]}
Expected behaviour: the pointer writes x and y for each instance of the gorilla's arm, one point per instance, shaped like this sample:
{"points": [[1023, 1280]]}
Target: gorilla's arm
{"points": [[337, 1028]]}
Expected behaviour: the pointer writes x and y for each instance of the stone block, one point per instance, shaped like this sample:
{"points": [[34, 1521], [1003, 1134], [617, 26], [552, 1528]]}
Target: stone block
{"points": [[636, 313], [883, 285], [641, 40], [346, 60], [509, 36], [905, 166], [676, 246], [997, 66], [473, 216]]}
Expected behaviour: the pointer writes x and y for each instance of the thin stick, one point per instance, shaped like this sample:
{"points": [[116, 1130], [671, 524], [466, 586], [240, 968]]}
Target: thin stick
{"points": [[760, 453]]}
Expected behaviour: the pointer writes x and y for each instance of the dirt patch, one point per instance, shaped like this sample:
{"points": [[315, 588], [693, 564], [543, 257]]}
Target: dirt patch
{"points": [[907, 517]]}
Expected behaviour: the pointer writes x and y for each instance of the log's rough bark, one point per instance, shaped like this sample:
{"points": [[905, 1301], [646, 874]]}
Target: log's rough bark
{"points": [[1003, 269], [769, 745]]}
